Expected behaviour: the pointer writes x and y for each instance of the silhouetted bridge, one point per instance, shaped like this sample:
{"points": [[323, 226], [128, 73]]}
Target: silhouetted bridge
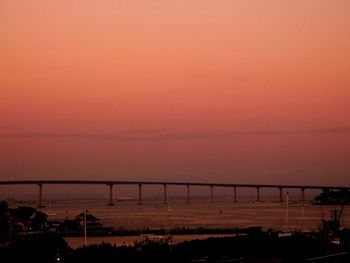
{"points": [[211, 186]]}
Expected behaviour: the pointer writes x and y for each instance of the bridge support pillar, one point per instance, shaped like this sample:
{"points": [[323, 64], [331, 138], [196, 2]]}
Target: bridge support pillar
{"points": [[281, 194], [140, 194], [165, 200], [211, 194], [258, 194], [40, 204], [188, 194], [110, 195], [235, 194]]}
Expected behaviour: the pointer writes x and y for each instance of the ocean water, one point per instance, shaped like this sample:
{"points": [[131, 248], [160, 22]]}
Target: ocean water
{"points": [[199, 213], [222, 213]]}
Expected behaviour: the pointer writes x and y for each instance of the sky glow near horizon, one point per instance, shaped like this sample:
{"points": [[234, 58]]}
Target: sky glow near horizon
{"points": [[217, 91]]}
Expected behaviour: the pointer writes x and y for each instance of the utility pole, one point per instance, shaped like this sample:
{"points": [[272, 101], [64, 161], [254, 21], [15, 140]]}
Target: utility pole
{"points": [[85, 228]]}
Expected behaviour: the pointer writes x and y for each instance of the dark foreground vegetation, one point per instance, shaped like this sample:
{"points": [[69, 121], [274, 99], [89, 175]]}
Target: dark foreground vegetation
{"points": [[333, 197], [262, 247]]}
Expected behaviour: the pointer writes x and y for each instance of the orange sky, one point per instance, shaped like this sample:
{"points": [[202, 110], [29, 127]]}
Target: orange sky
{"points": [[229, 91]]}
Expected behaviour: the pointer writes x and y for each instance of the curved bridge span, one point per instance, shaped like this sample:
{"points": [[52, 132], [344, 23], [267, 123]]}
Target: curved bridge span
{"points": [[111, 183]]}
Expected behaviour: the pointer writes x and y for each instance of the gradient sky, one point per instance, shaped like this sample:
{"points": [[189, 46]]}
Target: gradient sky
{"points": [[207, 90]]}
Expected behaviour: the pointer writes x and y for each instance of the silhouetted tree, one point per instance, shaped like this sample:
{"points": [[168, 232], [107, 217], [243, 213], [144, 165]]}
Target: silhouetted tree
{"points": [[38, 249], [4, 221], [23, 213], [329, 197], [39, 221]]}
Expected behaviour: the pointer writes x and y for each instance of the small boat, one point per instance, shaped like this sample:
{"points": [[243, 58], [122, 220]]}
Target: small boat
{"points": [[124, 198], [51, 213]]}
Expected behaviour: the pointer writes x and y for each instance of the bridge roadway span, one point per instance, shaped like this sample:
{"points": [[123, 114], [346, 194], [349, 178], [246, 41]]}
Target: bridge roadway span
{"points": [[110, 184]]}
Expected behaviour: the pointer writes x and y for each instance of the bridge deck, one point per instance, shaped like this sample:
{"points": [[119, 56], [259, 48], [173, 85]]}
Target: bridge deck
{"points": [[111, 182]]}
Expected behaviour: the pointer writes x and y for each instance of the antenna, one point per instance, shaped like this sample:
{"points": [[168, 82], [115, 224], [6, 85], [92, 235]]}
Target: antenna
{"points": [[287, 204], [302, 217], [168, 219], [85, 221], [168, 236]]}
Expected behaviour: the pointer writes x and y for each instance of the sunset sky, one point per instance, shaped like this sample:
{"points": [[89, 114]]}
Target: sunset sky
{"points": [[208, 90]]}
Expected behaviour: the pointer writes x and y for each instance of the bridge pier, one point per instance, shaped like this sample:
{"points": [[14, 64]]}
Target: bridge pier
{"points": [[211, 194], [188, 194], [235, 194], [281, 194], [40, 204], [110, 195], [140, 194], [165, 201], [258, 194]]}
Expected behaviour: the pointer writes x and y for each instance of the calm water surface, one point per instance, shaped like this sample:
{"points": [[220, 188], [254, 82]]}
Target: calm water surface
{"points": [[221, 214]]}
